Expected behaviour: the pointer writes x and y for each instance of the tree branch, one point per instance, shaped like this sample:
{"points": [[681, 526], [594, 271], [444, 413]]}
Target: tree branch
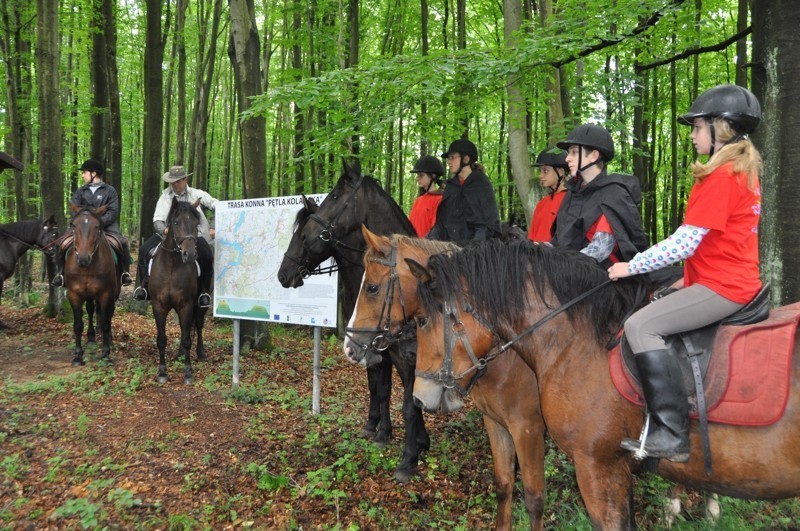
{"points": [[605, 43], [696, 51]]}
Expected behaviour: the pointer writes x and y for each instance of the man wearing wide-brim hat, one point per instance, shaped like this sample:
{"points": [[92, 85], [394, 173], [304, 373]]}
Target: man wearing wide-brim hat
{"points": [[180, 189]]}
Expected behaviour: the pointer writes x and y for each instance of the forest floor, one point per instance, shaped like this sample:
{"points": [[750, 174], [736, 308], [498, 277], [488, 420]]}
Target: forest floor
{"points": [[106, 446]]}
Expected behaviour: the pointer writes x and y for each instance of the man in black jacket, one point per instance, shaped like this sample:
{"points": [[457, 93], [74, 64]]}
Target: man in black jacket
{"points": [[599, 215], [468, 210]]}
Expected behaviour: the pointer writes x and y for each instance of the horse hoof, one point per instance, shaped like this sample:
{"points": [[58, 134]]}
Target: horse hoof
{"points": [[188, 381], [163, 379], [403, 475], [78, 363], [381, 444], [201, 356], [367, 433]]}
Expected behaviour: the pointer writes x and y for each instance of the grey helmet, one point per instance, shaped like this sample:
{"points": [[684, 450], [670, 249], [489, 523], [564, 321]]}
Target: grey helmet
{"points": [[554, 157], [429, 164]]}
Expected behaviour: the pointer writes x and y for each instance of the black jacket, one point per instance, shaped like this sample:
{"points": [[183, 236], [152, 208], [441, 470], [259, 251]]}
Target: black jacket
{"points": [[104, 195], [615, 195], [468, 211]]}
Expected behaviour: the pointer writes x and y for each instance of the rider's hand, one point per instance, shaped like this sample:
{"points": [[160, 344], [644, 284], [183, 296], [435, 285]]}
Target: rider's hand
{"points": [[618, 271]]}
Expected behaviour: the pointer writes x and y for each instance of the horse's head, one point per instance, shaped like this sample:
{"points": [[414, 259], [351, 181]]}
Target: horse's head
{"points": [[388, 296], [87, 226], [48, 233], [296, 264], [182, 221], [450, 344], [339, 216]]}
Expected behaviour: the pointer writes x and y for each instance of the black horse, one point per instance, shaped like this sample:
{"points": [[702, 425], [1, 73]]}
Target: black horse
{"points": [[17, 237], [334, 230], [174, 284]]}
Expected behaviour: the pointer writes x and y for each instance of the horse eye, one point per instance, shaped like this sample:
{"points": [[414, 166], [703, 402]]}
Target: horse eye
{"points": [[372, 289], [421, 321]]}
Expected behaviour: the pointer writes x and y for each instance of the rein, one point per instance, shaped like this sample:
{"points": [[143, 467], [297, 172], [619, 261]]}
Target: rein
{"points": [[327, 233], [448, 378]]}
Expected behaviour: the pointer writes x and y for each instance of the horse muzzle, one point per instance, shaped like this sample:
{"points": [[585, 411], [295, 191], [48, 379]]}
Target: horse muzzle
{"points": [[432, 397]]}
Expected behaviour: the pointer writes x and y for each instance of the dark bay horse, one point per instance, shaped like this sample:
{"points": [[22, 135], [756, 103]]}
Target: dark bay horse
{"points": [[174, 284], [90, 276], [334, 230], [488, 295], [388, 298], [17, 237]]}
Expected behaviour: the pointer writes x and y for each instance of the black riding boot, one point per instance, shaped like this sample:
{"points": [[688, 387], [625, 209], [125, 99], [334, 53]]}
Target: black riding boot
{"points": [[664, 393], [125, 278], [58, 277]]}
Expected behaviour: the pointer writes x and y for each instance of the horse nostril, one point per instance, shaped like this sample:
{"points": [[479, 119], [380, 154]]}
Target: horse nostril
{"points": [[419, 403]]}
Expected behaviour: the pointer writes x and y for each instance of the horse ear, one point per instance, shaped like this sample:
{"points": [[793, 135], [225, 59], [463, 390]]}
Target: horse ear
{"points": [[174, 202], [74, 208], [310, 205], [352, 171], [100, 210], [195, 204], [381, 244], [50, 221], [420, 271]]}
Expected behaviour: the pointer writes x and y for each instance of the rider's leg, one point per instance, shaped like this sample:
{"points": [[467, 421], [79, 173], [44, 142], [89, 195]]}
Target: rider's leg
{"points": [[58, 277], [205, 257], [142, 275], [125, 278]]}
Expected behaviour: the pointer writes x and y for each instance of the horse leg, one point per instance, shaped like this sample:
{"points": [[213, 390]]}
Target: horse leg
{"points": [[528, 439], [374, 413], [186, 317], [77, 329], [503, 461], [607, 490], [91, 335], [199, 321], [416, 436], [383, 395], [106, 313], [161, 342]]}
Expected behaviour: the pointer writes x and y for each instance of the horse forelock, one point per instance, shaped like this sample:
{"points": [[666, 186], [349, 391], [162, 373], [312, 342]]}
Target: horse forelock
{"points": [[495, 276], [301, 218]]}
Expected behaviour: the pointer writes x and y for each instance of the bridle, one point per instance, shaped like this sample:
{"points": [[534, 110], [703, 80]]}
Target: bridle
{"points": [[176, 248], [456, 332], [327, 234], [385, 337], [97, 240]]}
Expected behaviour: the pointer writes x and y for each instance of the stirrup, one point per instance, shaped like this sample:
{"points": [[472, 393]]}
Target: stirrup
{"points": [[204, 300], [637, 446], [126, 279], [58, 281], [140, 293]]}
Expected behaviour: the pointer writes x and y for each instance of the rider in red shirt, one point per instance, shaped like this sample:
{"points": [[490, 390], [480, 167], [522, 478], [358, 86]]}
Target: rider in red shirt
{"points": [[718, 242], [429, 171], [553, 169]]}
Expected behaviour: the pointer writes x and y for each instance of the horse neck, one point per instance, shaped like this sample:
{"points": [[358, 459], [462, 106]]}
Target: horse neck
{"points": [[20, 235]]}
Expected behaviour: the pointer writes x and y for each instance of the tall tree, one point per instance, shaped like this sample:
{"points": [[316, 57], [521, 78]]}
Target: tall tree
{"points": [[114, 137], [153, 118], [517, 113], [776, 69], [99, 79], [47, 61], [244, 51]]}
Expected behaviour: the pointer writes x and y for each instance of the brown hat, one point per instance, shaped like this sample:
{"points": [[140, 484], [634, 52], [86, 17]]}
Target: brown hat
{"points": [[175, 173], [7, 161]]}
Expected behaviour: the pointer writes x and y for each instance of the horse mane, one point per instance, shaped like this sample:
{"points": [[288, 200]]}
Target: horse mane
{"points": [[430, 247], [371, 185], [302, 216], [181, 205], [27, 230], [494, 276]]}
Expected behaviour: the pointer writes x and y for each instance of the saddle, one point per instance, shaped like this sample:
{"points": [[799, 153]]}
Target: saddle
{"points": [[113, 241], [744, 363]]}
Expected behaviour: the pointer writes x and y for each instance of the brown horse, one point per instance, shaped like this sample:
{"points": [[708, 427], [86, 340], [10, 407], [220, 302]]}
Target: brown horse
{"points": [[388, 298], [174, 284], [486, 295], [90, 276]]}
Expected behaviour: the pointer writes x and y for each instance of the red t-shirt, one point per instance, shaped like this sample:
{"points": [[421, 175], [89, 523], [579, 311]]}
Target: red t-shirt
{"points": [[423, 213], [544, 215], [726, 261]]}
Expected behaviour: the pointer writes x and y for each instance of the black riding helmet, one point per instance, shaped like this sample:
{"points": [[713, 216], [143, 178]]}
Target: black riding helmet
{"points": [[464, 147], [429, 164], [591, 136], [552, 157], [734, 104], [93, 165]]}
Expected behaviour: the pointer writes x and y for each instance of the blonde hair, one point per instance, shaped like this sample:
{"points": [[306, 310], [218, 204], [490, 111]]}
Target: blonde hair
{"points": [[743, 154]]}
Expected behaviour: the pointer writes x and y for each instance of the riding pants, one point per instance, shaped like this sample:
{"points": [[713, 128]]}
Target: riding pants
{"points": [[680, 311]]}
